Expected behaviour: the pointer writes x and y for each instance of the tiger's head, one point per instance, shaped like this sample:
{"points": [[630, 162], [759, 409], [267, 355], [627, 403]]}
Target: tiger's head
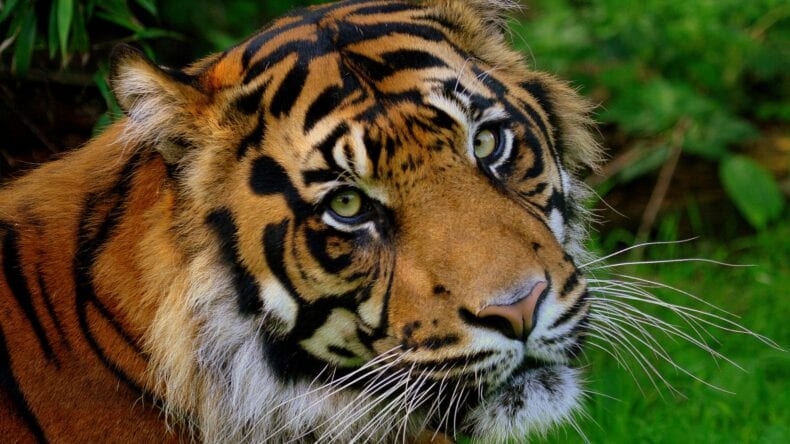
{"points": [[377, 205]]}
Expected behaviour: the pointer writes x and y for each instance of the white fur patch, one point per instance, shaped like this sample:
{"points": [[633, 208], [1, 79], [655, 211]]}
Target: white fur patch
{"points": [[557, 224], [370, 312], [339, 330], [279, 303], [532, 402]]}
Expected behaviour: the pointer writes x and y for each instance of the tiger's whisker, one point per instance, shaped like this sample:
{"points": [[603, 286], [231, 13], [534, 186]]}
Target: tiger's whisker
{"points": [[626, 291], [670, 261], [614, 332], [633, 247]]}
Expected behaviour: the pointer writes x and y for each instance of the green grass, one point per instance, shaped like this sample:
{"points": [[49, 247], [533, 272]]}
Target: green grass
{"points": [[759, 409]]}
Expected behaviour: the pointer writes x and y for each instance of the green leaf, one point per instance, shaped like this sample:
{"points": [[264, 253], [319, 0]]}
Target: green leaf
{"points": [[753, 190], [710, 136], [102, 122], [118, 12], [79, 38], [148, 5], [52, 31], [65, 14], [7, 9], [100, 79], [650, 160], [23, 52], [156, 33]]}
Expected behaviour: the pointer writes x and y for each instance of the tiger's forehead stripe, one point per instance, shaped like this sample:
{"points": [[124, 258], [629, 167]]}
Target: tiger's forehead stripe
{"points": [[312, 36]]}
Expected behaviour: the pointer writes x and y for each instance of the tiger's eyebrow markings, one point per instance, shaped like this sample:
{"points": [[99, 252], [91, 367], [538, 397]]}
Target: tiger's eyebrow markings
{"points": [[268, 177]]}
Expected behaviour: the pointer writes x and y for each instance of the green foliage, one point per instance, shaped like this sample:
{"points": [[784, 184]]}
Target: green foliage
{"points": [[752, 189], [84, 28], [73, 28], [717, 70]]}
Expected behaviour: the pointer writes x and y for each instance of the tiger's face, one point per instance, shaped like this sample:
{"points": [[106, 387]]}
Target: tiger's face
{"points": [[384, 189]]}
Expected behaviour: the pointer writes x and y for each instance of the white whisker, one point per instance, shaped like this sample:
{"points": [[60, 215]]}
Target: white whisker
{"points": [[632, 247]]}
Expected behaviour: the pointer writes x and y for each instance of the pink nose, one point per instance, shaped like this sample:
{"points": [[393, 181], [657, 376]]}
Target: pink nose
{"points": [[518, 315]]}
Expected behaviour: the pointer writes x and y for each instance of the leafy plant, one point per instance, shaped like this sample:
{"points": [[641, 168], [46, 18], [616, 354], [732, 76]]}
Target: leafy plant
{"points": [[65, 30], [718, 71]]}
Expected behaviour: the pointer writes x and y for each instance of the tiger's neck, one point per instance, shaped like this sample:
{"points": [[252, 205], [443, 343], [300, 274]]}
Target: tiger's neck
{"points": [[88, 243]]}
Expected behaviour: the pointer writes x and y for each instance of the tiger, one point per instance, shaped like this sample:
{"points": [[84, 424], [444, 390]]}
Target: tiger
{"points": [[360, 224]]}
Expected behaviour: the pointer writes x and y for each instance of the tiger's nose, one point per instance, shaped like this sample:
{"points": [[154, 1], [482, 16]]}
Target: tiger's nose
{"points": [[514, 320]]}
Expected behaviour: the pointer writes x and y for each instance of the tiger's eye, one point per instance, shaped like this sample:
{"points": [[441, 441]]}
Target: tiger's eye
{"points": [[485, 143], [347, 203]]}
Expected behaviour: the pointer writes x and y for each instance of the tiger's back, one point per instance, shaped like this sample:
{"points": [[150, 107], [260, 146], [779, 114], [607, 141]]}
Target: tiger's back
{"points": [[372, 196]]}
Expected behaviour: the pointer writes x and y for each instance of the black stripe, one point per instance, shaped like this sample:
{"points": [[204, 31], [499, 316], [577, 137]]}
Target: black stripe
{"points": [[11, 386], [333, 96], [571, 282], [326, 146], [310, 177], [304, 46], [353, 33], [442, 120], [108, 316], [289, 89], [325, 103], [572, 311], [247, 288], [437, 342], [258, 41], [537, 162], [274, 251], [385, 9], [269, 177], [538, 91], [495, 323], [89, 245], [373, 149], [317, 243], [17, 283], [557, 200], [341, 351], [254, 138], [250, 103], [393, 62], [42, 285], [305, 17]]}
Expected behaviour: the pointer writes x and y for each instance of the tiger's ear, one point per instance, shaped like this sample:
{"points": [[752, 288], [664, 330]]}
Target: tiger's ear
{"points": [[494, 13], [162, 104], [482, 26]]}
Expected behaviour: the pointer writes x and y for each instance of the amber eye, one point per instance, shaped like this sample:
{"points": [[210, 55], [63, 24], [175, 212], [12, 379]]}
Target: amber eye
{"points": [[346, 203], [485, 143]]}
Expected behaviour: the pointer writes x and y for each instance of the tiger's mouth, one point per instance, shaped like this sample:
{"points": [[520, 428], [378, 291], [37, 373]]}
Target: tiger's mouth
{"points": [[534, 397]]}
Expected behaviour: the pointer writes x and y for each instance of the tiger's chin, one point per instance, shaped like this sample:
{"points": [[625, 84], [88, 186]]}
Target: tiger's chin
{"points": [[531, 401]]}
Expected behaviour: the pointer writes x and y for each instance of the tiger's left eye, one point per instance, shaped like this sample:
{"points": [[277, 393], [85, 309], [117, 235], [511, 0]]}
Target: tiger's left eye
{"points": [[347, 203], [485, 143]]}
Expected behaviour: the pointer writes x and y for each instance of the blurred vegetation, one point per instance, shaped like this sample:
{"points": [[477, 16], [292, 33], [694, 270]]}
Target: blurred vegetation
{"points": [[695, 106], [703, 79]]}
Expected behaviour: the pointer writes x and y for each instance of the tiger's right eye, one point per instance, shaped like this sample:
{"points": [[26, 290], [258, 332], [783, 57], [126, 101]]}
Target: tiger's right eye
{"points": [[347, 204], [485, 143]]}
